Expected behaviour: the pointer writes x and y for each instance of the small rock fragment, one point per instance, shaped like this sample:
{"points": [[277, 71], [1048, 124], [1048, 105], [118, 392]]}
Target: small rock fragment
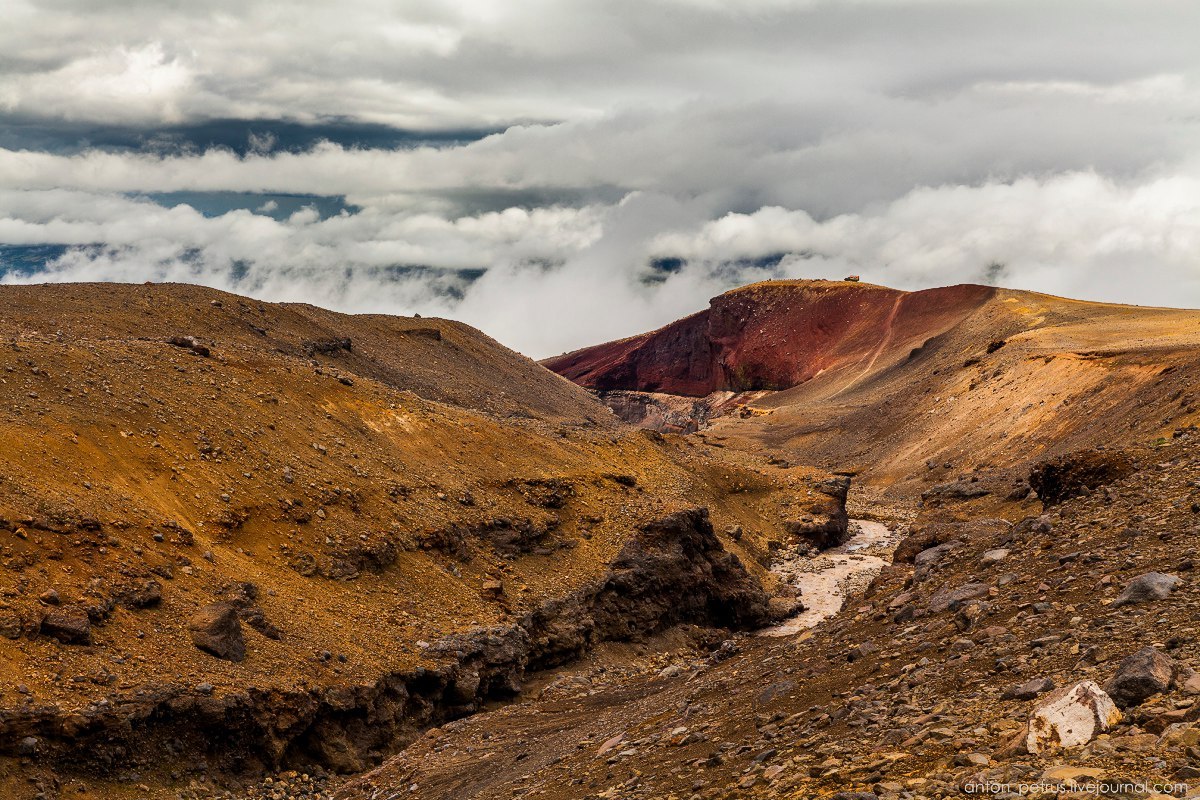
{"points": [[1028, 690], [216, 630], [1147, 588], [994, 556]]}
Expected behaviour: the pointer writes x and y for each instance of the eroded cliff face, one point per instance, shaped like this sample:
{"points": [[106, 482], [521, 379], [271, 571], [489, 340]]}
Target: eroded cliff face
{"points": [[771, 335], [671, 570]]}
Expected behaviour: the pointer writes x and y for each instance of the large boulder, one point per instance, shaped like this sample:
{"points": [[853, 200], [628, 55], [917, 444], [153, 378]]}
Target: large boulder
{"points": [[1147, 672], [1147, 588], [216, 630], [927, 560], [1069, 717]]}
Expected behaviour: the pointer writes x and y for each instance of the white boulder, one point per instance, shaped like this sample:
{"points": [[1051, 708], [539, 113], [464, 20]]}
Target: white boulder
{"points": [[1070, 717]]}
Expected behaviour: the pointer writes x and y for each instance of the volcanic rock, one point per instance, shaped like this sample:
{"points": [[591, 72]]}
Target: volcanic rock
{"points": [[1147, 672], [927, 560], [11, 624], [217, 629], [1147, 588], [190, 343], [953, 599], [68, 625], [1028, 690], [923, 537]]}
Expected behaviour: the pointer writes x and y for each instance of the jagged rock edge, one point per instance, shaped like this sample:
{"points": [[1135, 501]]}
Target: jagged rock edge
{"points": [[674, 570]]}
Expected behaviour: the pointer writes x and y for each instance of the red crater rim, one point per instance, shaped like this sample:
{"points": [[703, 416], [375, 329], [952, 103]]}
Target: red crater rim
{"points": [[771, 335]]}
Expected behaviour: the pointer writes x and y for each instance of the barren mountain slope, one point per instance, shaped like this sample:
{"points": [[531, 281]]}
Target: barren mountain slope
{"points": [[922, 689], [1024, 377], [913, 388], [352, 493], [437, 359], [1016, 576], [771, 335]]}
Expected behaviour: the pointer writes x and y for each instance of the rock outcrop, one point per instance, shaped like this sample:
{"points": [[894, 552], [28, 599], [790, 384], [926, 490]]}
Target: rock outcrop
{"points": [[68, 625], [827, 523], [1076, 473], [672, 570], [217, 630]]}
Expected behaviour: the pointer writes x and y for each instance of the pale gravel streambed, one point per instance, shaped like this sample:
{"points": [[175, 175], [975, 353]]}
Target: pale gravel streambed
{"points": [[827, 580]]}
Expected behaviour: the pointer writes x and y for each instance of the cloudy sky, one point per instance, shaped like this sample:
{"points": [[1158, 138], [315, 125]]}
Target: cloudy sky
{"points": [[562, 172]]}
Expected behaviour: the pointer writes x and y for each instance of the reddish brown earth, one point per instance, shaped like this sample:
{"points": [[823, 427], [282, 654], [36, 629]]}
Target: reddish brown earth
{"points": [[411, 525], [771, 336], [952, 422], [965, 380], [377, 498]]}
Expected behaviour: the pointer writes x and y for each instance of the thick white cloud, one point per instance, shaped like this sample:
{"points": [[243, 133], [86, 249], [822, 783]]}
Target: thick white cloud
{"points": [[563, 278], [1078, 234], [428, 64], [912, 141], [304, 241]]}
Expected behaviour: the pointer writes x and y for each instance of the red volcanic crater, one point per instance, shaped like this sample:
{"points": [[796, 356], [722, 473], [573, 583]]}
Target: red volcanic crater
{"points": [[771, 335]]}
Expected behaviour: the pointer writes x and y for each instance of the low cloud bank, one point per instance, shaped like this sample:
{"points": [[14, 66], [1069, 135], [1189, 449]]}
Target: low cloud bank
{"points": [[552, 279]]}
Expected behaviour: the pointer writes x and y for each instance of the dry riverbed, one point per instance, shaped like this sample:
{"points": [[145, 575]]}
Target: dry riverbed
{"points": [[826, 581]]}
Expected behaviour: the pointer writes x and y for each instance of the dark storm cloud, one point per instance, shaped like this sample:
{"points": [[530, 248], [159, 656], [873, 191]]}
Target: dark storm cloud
{"points": [[610, 163]]}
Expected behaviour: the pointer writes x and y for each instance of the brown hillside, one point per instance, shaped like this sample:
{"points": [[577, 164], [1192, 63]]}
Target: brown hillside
{"points": [[944, 676], [1023, 377], [358, 490], [908, 388]]}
